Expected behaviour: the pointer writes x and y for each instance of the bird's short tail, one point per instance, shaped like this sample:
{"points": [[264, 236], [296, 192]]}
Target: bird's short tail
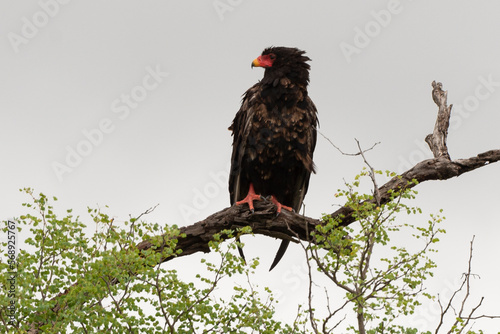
{"points": [[279, 254], [240, 250]]}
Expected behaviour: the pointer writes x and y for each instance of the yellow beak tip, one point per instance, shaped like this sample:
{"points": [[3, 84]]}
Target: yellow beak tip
{"points": [[255, 63]]}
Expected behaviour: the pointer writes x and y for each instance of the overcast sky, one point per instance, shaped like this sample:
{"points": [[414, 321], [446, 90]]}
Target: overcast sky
{"points": [[127, 103]]}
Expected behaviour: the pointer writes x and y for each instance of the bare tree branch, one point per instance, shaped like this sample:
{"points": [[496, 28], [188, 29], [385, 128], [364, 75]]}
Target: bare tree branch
{"points": [[460, 319], [437, 140], [376, 192], [342, 152]]}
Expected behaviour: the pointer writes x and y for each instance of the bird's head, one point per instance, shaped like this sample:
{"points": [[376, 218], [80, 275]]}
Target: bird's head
{"points": [[281, 62]]}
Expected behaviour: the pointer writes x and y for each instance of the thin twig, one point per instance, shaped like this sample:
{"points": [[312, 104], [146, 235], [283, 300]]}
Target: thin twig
{"points": [[342, 152], [376, 191]]}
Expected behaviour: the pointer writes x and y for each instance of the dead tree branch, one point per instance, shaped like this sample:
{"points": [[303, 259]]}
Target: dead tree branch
{"points": [[437, 140]]}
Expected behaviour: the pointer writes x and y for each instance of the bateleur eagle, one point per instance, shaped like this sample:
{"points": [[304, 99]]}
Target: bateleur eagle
{"points": [[274, 135]]}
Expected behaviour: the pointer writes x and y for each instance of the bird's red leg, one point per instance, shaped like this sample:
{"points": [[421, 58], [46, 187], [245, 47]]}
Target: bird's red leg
{"points": [[279, 205], [251, 196]]}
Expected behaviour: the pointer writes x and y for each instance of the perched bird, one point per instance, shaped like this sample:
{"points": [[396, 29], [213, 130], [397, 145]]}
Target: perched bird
{"points": [[274, 135]]}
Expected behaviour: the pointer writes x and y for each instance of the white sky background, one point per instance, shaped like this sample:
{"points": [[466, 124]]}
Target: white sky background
{"points": [[68, 76]]}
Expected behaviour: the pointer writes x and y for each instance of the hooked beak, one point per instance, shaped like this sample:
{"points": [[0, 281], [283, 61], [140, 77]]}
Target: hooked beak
{"points": [[256, 62]]}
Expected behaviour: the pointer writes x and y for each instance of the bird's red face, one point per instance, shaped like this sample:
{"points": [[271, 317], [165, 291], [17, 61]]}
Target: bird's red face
{"points": [[264, 60]]}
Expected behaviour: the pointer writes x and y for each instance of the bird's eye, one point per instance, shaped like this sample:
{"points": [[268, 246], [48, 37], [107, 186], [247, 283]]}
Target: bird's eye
{"points": [[272, 56]]}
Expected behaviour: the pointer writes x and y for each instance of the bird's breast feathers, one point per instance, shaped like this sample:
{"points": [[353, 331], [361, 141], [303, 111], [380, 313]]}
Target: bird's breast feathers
{"points": [[280, 136]]}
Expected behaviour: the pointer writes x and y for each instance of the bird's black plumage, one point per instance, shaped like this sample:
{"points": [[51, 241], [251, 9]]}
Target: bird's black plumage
{"points": [[274, 133]]}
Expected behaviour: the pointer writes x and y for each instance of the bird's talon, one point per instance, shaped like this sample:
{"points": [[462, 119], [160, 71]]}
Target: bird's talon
{"points": [[280, 206], [251, 196]]}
